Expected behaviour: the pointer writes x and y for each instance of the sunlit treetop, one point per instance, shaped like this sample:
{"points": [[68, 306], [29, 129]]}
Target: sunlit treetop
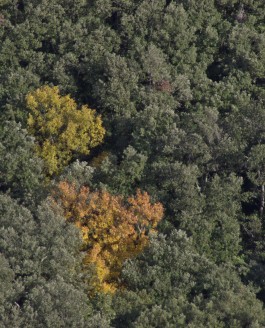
{"points": [[62, 130], [114, 229]]}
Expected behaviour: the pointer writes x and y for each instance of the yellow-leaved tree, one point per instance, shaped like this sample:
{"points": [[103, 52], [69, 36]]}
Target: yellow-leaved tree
{"points": [[113, 229], [61, 129]]}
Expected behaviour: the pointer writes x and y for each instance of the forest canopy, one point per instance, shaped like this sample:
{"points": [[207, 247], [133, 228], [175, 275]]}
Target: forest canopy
{"points": [[132, 163]]}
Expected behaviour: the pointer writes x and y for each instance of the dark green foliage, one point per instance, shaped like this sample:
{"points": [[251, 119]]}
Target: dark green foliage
{"points": [[180, 86], [21, 170], [40, 35], [171, 285], [78, 173], [216, 229], [121, 178], [39, 269]]}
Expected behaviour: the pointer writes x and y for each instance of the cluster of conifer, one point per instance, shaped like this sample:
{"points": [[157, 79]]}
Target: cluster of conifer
{"points": [[132, 163]]}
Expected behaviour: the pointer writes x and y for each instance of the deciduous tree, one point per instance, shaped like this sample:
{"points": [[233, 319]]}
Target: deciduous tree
{"points": [[113, 229], [62, 131]]}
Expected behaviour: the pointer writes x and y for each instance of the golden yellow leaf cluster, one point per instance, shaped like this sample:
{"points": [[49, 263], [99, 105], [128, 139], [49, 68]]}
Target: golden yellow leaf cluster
{"points": [[61, 130]]}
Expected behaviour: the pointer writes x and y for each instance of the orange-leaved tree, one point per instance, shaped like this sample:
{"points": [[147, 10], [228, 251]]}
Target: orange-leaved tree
{"points": [[113, 229], [61, 129]]}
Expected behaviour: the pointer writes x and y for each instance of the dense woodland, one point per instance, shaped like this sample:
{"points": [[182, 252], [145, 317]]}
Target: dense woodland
{"points": [[132, 163]]}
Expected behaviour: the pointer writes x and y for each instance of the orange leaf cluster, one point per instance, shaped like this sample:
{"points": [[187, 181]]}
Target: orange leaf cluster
{"points": [[113, 229]]}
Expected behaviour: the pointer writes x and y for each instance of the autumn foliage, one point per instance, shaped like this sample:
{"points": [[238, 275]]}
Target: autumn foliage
{"points": [[61, 129], [113, 229]]}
